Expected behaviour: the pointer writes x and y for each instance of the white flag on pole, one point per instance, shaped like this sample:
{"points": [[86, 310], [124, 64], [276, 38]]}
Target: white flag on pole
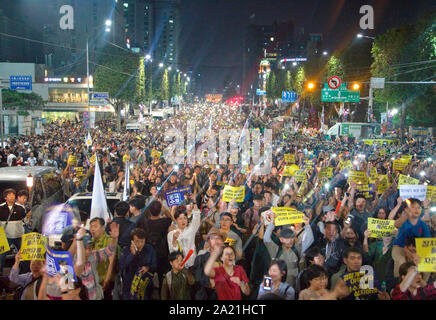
{"points": [[98, 203], [88, 140], [126, 191]]}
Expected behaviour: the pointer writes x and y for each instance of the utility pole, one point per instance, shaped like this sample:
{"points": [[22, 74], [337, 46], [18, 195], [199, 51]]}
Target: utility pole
{"points": [[87, 80], [1, 111]]}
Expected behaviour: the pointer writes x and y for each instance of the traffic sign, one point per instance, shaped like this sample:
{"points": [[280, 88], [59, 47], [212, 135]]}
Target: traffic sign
{"points": [[289, 96], [100, 95], [20, 82], [98, 102], [342, 94], [334, 82], [260, 92], [377, 83]]}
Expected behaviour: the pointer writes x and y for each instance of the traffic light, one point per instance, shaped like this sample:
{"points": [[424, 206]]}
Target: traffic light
{"points": [[355, 86]]}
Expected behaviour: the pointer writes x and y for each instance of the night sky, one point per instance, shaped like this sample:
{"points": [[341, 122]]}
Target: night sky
{"points": [[212, 30], [211, 33]]}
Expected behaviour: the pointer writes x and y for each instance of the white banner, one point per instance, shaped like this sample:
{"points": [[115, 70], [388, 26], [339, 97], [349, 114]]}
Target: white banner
{"points": [[413, 191]]}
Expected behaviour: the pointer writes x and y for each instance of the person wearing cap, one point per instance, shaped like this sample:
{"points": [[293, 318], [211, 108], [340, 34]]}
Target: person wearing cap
{"points": [[204, 287], [290, 252]]}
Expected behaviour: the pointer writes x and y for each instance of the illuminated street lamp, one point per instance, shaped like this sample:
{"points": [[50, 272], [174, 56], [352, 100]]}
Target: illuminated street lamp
{"points": [[108, 23], [147, 57], [29, 183], [160, 65]]}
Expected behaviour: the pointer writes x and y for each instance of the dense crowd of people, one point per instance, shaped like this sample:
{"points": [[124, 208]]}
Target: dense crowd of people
{"points": [[206, 248]]}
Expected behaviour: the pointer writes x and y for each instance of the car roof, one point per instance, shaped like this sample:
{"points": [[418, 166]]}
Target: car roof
{"points": [[21, 173], [88, 195]]}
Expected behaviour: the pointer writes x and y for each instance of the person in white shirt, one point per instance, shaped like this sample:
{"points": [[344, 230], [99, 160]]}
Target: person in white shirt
{"points": [[183, 237], [11, 157], [32, 160]]}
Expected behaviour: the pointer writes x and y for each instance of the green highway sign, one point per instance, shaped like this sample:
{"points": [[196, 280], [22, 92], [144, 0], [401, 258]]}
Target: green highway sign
{"points": [[339, 95]]}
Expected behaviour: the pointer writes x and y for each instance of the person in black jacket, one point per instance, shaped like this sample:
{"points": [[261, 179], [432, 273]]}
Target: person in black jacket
{"points": [[331, 247], [140, 258], [11, 219], [126, 226]]}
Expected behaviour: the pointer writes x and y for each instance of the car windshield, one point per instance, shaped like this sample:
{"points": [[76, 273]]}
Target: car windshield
{"points": [[85, 204]]}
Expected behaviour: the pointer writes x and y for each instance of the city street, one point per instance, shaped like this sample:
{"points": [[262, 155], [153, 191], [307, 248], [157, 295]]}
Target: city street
{"points": [[174, 150]]}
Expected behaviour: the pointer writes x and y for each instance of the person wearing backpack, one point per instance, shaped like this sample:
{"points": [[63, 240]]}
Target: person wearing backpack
{"points": [[137, 263], [156, 229], [277, 271], [29, 282], [178, 281]]}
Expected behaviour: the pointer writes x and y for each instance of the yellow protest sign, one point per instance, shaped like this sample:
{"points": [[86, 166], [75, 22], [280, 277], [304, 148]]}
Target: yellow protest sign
{"points": [[234, 193], [383, 152], [126, 157], [286, 216], [431, 193], [358, 177], [407, 158], [366, 189], [231, 242], [426, 249], [289, 157], [155, 154], [380, 228], [373, 175], [289, 171], [300, 175], [378, 141], [346, 165], [383, 184], [79, 172], [326, 172], [400, 164], [353, 282], [403, 179], [4, 244], [72, 161], [92, 159], [33, 246]]}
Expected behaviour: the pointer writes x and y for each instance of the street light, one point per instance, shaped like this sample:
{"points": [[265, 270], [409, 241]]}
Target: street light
{"points": [[394, 112], [29, 183], [359, 35], [169, 68], [108, 23], [294, 63], [160, 65], [147, 57], [107, 29]]}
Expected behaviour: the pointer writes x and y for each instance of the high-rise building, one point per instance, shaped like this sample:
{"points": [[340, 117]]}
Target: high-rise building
{"points": [[258, 41], [166, 30], [153, 27], [97, 21], [138, 15], [13, 47]]}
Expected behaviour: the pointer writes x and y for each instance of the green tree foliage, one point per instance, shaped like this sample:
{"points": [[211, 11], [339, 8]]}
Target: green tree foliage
{"points": [[119, 73], [165, 86], [271, 85], [402, 54], [22, 101]]}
